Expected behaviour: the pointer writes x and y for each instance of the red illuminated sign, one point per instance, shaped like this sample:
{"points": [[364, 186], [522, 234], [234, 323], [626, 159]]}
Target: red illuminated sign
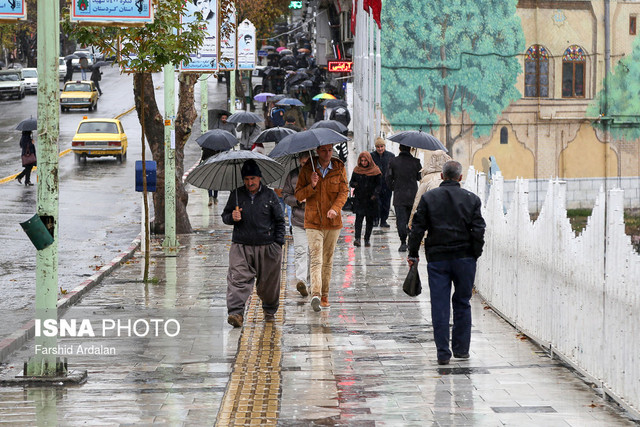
{"points": [[339, 66]]}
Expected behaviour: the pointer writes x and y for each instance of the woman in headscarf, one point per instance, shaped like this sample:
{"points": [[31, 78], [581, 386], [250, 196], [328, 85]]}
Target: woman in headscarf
{"points": [[366, 182], [430, 176]]}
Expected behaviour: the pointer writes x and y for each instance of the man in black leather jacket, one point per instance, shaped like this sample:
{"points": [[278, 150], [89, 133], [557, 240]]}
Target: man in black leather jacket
{"points": [[256, 249], [455, 235]]}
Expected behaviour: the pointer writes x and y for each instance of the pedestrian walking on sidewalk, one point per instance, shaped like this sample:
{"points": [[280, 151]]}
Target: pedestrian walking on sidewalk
{"points": [[96, 76], [455, 235], [322, 182], [28, 157], [300, 242], [365, 180], [213, 194], [256, 245], [402, 178], [381, 157]]}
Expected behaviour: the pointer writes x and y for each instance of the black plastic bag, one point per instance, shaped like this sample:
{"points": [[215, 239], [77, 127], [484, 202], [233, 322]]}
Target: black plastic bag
{"points": [[348, 206], [412, 285]]}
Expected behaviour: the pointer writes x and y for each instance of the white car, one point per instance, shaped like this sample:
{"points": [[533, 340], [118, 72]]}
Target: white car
{"points": [[62, 68], [30, 76]]}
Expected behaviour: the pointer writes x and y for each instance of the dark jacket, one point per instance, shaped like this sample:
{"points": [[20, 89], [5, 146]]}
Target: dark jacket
{"points": [[366, 193], [96, 75], [206, 153], [262, 220], [453, 221], [402, 178], [289, 197], [26, 143], [383, 164], [341, 114]]}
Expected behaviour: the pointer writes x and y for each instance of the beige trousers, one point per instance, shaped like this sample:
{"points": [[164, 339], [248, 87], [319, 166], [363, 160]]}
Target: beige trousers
{"points": [[322, 244]]}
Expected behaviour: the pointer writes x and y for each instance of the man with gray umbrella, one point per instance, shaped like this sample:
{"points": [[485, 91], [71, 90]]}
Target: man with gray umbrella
{"points": [[256, 249]]}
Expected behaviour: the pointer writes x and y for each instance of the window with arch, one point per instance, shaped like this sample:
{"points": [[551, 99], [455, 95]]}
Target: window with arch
{"points": [[573, 72], [504, 135], [536, 72]]}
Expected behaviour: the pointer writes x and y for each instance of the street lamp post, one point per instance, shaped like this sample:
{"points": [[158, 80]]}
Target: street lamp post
{"points": [[170, 244]]}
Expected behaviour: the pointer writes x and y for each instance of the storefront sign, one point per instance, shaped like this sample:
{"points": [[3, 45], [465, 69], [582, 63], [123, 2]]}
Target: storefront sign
{"points": [[339, 66]]}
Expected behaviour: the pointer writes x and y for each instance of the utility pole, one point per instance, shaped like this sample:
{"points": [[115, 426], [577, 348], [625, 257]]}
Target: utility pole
{"points": [[170, 244], [44, 363]]}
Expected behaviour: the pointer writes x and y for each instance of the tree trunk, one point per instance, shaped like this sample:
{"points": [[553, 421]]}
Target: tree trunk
{"points": [[154, 132]]}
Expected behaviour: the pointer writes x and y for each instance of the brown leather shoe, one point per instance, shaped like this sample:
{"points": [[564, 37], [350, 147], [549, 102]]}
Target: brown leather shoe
{"points": [[269, 317], [235, 320], [324, 302], [302, 288]]}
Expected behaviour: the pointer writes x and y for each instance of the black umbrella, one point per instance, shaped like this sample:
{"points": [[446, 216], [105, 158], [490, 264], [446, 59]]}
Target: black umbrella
{"points": [[330, 124], [418, 139], [244, 117], [223, 171], [333, 103], [268, 48], [273, 135], [307, 83], [288, 60], [306, 141], [81, 54], [277, 98], [217, 140], [72, 56], [27, 125]]}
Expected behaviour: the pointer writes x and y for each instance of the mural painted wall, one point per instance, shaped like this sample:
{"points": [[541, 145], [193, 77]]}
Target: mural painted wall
{"points": [[528, 69]]}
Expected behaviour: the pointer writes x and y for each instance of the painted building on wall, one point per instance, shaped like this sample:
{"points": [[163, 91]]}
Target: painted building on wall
{"points": [[522, 81]]}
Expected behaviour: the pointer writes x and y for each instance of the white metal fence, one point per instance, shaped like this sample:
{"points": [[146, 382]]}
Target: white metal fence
{"points": [[577, 295]]}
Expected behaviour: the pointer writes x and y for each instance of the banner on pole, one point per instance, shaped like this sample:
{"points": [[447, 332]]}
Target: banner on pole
{"points": [[228, 41], [205, 59], [246, 45], [121, 12], [13, 10]]}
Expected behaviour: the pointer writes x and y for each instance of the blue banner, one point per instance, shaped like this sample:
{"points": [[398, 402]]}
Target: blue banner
{"points": [[129, 12], [13, 9]]}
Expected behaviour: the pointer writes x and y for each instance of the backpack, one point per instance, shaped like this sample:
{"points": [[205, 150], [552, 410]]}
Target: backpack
{"points": [[277, 116]]}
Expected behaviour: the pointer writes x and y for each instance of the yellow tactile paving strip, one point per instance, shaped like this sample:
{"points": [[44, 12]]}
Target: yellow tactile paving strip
{"points": [[253, 392]]}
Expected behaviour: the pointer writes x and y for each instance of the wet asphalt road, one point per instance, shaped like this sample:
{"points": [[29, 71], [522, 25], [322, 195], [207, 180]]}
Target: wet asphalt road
{"points": [[99, 211]]}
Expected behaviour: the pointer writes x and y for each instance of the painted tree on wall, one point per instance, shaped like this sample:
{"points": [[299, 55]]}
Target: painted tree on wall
{"points": [[622, 104], [447, 61]]}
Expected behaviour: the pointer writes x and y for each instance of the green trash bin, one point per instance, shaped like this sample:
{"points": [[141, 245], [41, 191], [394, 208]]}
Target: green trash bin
{"points": [[37, 232]]}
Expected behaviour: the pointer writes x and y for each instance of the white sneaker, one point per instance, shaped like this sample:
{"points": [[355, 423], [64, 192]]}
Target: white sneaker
{"points": [[315, 303]]}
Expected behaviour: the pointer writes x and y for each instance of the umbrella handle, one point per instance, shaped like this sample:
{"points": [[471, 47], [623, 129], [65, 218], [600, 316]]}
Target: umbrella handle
{"points": [[311, 160]]}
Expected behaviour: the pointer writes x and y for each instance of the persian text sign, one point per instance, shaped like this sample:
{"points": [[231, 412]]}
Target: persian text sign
{"points": [[228, 42], [339, 66], [205, 59], [124, 12], [13, 10], [246, 45]]}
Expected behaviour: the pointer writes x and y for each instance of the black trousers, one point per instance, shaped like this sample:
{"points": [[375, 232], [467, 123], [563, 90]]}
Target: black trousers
{"points": [[26, 174], [368, 228], [402, 220], [384, 204]]}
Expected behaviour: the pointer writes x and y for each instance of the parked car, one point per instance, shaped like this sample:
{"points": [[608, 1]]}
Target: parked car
{"points": [[12, 84], [79, 94], [62, 68], [30, 76], [98, 138]]}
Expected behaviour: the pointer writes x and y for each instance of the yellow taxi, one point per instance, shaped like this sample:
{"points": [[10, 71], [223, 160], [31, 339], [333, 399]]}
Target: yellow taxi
{"points": [[99, 137], [79, 94]]}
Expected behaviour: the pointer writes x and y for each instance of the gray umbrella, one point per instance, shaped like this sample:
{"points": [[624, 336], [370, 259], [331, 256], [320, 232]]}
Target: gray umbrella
{"points": [[222, 171], [217, 140], [27, 125], [277, 98], [330, 124], [418, 139], [273, 135], [72, 56], [333, 103], [306, 141], [244, 117], [100, 64]]}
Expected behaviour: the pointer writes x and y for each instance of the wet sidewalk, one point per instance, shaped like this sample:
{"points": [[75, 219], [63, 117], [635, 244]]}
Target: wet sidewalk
{"points": [[368, 360]]}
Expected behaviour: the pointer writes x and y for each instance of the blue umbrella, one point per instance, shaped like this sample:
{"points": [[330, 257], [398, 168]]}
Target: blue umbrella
{"points": [[290, 101]]}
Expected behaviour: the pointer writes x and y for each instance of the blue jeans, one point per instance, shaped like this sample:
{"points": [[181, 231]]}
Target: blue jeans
{"points": [[462, 273]]}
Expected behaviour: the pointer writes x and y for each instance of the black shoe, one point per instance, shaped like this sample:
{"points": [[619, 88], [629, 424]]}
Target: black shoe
{"points": [[269, 317], [19, 180], [29, 184], [385, 225], [367, 244], [376, 222], [356, 242], [461, 356], [402, 248], [443, 361]]}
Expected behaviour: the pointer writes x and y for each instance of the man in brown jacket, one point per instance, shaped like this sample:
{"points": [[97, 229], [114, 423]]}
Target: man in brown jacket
{"points": [[323, 185]]}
